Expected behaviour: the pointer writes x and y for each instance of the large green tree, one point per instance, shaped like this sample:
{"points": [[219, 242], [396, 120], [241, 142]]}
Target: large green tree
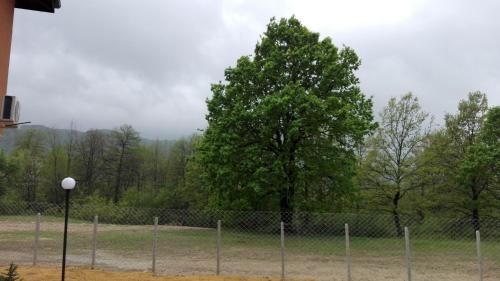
{"points": [[462, 130], [283, 126], [478, 170], [464, 159]]}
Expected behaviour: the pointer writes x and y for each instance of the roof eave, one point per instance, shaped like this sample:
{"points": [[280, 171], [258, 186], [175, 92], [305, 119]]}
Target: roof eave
{"points": [[48, 6]]}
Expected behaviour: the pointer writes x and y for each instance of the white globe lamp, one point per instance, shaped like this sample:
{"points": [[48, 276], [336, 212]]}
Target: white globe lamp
{"points": [[68, 183]]}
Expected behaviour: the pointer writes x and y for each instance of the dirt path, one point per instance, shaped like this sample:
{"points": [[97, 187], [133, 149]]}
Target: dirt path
{"points": [[298, 268]]}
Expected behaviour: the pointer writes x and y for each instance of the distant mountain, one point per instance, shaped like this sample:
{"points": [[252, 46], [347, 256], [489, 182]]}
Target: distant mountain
{"points": [[10, 136]]}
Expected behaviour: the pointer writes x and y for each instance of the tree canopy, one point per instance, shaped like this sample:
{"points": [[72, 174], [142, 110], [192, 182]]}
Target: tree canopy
{"points": [[283, 126]]}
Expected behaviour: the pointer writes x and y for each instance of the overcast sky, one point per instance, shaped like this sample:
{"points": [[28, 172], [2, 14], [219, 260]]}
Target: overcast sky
{"points": [[150, 63]]}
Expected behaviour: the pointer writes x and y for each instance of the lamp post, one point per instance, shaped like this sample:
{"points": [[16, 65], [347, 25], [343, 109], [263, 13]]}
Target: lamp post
{"points": [[67, 184]]}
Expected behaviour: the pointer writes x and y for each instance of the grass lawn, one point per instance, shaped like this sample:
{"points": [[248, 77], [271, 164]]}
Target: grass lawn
{"points": [[33, 219], [139, 238], [191, 251]]}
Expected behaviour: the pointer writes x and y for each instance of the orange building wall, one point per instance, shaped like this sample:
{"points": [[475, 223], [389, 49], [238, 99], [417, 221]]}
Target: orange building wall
{"points": [[6, 20]]}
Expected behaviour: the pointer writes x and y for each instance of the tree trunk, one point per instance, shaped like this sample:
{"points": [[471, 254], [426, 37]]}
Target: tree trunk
{"points": [[286, 208], [475, 209], [475, 219], [118, 183], [395, 214], [397, 222], [287, 192], [116, 195], [307, 222], [421, 215]]}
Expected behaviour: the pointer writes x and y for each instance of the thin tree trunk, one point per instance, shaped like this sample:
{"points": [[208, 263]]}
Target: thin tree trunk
{"points": [[475, 219], [119, 177], [475, 210], [286, 208], [395, 214], [288, 193], [397, 222], [118, 184]]}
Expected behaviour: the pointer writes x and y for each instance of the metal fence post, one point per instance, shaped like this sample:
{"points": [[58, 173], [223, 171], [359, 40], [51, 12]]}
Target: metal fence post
{"points": [[155, 238], [37, 238], [217, 271], [282, 251], [479, 258], [408, 252], [94, 241], [348, 252]]}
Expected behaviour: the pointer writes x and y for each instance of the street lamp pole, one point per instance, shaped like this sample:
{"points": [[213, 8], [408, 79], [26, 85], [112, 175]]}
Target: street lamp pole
{"points": [[67, 184]]}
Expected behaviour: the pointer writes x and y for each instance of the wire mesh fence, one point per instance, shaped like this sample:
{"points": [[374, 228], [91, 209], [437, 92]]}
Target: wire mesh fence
{"points": [[307, 246]]}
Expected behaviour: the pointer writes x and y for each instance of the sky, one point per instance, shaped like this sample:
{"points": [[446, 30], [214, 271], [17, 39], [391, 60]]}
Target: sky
{"points": [[101, 64]]}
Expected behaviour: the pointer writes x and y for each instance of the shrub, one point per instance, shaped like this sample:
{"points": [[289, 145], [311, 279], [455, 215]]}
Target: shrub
{"points": [[11, 274]]}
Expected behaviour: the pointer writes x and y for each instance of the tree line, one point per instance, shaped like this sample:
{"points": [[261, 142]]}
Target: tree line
{"points": [[411, 166], [288, 130], [408, 165], [114, 167]]}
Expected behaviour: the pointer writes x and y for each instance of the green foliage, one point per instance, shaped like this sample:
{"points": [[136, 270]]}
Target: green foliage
{"points": [[53, 168], [490, 133], [99, 160], [184, 187], [7, 173], [390, 170], [282, 128], [195, 191], [28, 156], [149, 198], [462, 162]]}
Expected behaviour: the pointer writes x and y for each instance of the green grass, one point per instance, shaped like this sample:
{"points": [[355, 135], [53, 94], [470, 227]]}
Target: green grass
{"points": [[179, 240], [205, 240], [142, 239], [15, 236], [29, 236], [42, 218]]}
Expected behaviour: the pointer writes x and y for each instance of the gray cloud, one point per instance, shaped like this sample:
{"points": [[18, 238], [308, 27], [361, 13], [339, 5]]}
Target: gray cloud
{"points": [[105, 63]]}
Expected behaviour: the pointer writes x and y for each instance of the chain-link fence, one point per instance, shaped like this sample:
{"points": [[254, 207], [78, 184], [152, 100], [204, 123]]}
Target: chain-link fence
{"points": [[306, 246]]}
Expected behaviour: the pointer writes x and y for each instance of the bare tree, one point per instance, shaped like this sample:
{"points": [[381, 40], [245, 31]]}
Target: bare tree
{"points": [[390, 166], [55, 163], [158, 165], [28, 153], [90, 150], [70, 147], [123, 158]]}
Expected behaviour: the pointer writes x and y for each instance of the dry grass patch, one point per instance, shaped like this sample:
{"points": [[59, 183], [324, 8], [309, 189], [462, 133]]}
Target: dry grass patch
{"points": [[85, 274]]}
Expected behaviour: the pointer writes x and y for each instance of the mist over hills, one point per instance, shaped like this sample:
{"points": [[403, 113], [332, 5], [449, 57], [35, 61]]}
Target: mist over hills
{"points": [[10, 136]]}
